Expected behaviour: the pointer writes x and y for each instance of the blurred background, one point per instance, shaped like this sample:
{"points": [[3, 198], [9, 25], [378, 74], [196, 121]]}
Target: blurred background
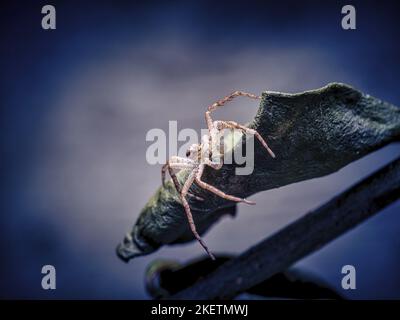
{"points": [[77, 102]]}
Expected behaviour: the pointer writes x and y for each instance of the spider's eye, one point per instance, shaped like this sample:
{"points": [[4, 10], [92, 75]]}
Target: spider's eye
{"points": [[187, 153]]}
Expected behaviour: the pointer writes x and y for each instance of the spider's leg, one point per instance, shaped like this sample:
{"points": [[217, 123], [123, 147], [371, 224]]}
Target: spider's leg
{"points": [[214, 165], [210, 124], [180, 163], [189, 216], [175, 162], [235, 125], [218, 192], [164, 169], [178, 186], [223, 101]]}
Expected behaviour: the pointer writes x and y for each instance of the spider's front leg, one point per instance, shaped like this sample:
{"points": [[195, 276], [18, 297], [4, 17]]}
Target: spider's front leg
{"points": [[221, 125], [214, 128], [223, 101], [173, 165]]}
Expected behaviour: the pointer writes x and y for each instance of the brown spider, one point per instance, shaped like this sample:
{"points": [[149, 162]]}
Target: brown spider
{"points": [[207, 153]]}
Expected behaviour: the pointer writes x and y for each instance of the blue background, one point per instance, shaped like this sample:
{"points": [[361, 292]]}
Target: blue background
{"points": [[76, 103]]}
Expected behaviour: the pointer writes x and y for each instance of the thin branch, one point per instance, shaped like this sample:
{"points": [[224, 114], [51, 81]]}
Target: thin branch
{"points": [[299, 239]]}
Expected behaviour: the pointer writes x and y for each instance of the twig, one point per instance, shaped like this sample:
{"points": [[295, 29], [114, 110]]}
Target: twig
{"points": [[304, 236]]}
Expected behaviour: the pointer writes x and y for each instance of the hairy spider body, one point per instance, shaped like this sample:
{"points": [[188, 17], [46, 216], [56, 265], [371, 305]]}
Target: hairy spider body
{"points": [[209, 152]]}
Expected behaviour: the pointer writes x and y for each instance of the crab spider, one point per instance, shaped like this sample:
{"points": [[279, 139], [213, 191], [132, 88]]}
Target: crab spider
{"points": [[208, 152]]}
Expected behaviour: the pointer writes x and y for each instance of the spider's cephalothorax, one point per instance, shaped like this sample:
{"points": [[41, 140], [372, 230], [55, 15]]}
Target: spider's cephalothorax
{"points": [[208, 152]]}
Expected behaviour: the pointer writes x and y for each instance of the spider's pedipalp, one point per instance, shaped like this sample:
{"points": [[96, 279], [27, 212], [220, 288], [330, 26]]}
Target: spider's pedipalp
{"points": [[214, 165]]}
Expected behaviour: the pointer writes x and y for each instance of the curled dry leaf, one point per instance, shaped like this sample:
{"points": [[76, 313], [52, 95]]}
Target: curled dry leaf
{"points": [[312, 134]]}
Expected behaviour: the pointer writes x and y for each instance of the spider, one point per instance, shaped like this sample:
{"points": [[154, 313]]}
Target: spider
{"points": [[208, 152]]}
